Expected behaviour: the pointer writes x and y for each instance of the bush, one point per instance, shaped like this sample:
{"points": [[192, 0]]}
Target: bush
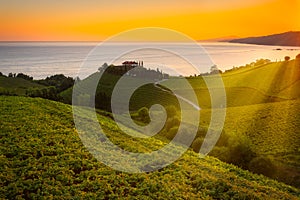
{"points": [[223, 139], [172, 122], [196, 145], [24, 76], [263, 165], [143, 114], [240, 151], [287, 58], [172, 132], [222, 153], [171, 111], [59, 81], [46, 93]]}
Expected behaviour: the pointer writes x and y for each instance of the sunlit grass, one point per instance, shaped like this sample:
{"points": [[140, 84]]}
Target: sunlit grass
{"points": [[42, 156]]}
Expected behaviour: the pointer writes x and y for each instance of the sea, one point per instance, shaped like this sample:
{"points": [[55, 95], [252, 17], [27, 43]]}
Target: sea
{"points": [[42, 59]]}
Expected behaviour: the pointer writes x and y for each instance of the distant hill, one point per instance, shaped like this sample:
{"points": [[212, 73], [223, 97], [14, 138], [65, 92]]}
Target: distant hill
{"points": [[291, 38]]}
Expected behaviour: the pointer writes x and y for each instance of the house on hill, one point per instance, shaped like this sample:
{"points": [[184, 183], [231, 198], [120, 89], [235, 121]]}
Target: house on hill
{"points": [[134, 69], [128, 65]]}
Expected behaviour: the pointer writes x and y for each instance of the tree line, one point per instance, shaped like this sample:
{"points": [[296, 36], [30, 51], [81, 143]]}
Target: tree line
{"points": [[53, 85]]}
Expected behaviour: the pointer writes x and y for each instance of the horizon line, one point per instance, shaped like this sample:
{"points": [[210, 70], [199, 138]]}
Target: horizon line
{"points": [[90, 41]]}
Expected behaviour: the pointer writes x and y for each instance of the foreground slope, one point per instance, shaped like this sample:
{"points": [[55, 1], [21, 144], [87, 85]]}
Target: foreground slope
{"points": [[42, 155]]}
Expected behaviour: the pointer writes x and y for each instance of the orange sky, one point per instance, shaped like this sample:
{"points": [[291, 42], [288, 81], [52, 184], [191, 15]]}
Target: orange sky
{"points": [[95, 20]]}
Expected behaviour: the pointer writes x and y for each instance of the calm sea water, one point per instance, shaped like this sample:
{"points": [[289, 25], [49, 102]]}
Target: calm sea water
{"points": [[42, 59]]}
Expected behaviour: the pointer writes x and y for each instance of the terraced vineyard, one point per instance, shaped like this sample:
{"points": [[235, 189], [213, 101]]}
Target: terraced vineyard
{"points": [[42, 156], [260, 104], [274, 131]]}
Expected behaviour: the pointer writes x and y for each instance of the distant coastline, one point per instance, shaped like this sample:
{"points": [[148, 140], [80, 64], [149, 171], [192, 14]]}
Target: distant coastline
{"points": [[291, 38]]}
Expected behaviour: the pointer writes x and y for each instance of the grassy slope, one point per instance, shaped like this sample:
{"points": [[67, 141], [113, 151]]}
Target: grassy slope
{"points": [[252, 94], [279, 80], [247, 86], [41, 154], [261, 105], [274, 131], [261, 84], [107, 83], [16, 86]]}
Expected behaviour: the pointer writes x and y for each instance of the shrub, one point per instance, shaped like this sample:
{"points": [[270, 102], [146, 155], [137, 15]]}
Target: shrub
{"points": [[223, 139], [298, 57], [287, 58], [171, 111], [24, 76], [46, 92], [196, 145], [172, 132], [221, 153], [59, 81], [172, 122], [143, 114], [263, 165], [240, 151]]}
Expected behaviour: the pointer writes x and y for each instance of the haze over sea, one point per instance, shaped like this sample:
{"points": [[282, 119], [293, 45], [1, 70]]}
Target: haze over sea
{"points": [[42, 59]]}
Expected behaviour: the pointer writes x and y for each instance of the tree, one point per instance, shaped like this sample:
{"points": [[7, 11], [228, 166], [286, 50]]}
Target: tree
{"points": [[103, 67], [287, 58], [59, 81], [144, 114], [24, 76], [196, 145], [171, 111], [215, 70], [102, 101], [77, 79], [240, 151]]}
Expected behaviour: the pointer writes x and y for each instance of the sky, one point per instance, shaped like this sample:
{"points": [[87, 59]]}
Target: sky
{"points": [[96, 20]]}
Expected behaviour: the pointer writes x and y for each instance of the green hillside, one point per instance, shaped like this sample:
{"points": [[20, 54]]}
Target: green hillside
{"points": [[272, 82], [273, 129], [16, 86], [258, 98], [106, 86], [252, 85], [42, 155]]}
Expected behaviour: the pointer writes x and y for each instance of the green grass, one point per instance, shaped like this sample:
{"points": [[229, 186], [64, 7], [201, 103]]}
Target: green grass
{"points": [[271, 82], [16, 86], [107, 83], [266, 83], [262, 104], [42, 156], [259, 105], [274, 131]]}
